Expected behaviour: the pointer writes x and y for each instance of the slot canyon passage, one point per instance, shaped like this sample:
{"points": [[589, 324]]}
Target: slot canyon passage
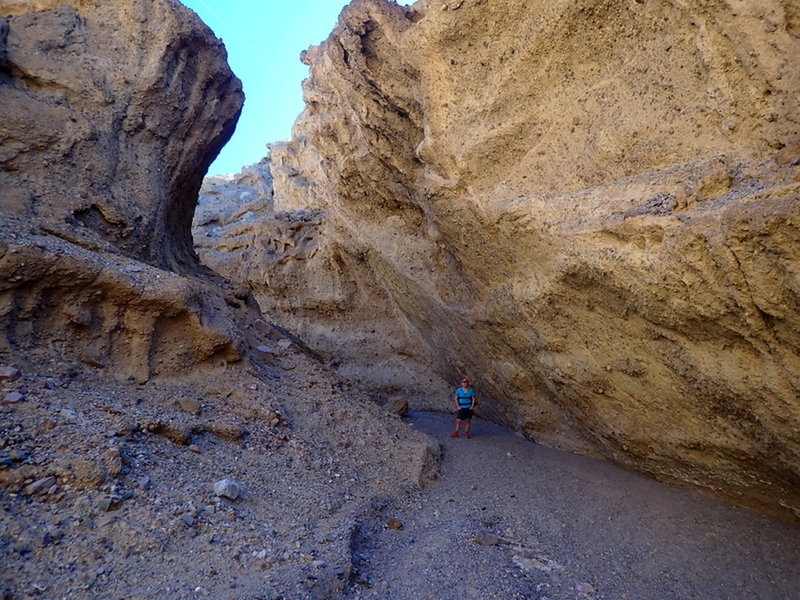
{"points": [[238, 386]]}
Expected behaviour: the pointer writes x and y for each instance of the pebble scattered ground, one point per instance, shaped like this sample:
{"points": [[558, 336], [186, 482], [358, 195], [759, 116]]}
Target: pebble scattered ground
{"points": [[287, 484], [512, 519], [231, 484]]}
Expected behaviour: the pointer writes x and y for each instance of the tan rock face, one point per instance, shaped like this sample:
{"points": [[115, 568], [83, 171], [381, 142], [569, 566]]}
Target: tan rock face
{"points": [[227, 201], [588, 208], [110, 114], [309, 282]]}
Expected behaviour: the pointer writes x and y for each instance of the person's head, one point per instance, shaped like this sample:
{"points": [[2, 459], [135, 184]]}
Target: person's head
{"points": [[465, 382]]}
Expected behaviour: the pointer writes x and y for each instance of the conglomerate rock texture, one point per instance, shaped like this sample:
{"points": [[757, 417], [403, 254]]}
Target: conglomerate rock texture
{"points": [[591, 208]]}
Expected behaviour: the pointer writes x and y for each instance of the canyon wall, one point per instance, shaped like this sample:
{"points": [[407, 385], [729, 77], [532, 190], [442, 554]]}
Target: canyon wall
{"points": [[110, 115], [145, 408], [590, 208]]}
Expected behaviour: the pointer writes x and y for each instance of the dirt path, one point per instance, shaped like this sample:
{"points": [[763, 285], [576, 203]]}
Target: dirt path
{"points": [[565, 527]]}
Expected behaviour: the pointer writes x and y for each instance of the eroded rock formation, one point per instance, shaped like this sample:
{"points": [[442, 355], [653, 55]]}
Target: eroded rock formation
{"points": [[118, 150], [111, 114], [591, 208], [131, 377], [238, 233]]}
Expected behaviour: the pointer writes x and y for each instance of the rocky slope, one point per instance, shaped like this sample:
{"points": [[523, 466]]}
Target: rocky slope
{"points": [[110, 490], [590, 208]]}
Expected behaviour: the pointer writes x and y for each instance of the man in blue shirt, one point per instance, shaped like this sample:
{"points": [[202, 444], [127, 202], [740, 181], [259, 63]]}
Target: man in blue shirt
{"points": [[465, 402]]}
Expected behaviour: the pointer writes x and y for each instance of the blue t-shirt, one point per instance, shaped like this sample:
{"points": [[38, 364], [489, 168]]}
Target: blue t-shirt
{"points": [[464, 396]]}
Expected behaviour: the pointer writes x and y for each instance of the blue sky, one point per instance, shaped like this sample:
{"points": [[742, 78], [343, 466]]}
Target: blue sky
{"points": [[264, 39]]}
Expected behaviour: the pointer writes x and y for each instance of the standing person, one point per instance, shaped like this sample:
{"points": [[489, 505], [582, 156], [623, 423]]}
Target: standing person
{"points": [[465, 402]]}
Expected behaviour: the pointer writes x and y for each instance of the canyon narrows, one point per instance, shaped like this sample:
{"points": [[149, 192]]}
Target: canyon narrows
{"points": [[158, 438], [591, 208]]}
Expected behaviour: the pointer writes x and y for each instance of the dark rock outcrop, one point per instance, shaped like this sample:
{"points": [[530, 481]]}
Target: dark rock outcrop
{"points": [[110, 115]]}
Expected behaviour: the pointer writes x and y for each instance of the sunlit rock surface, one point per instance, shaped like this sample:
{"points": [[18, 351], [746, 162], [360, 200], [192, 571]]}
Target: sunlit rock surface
{"points": [[591, 209]]}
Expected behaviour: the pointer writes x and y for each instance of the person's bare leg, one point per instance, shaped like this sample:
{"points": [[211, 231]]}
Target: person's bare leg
{"points": [[455, 431], [467, 426]]}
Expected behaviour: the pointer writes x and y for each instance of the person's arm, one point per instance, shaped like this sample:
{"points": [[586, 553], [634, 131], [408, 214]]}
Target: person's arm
{"points": [[474, 401]]}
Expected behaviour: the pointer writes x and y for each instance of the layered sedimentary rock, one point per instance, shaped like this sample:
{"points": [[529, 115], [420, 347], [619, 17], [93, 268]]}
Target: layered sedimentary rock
{"points": [[110, 114], [238, 233], [593, 209]]}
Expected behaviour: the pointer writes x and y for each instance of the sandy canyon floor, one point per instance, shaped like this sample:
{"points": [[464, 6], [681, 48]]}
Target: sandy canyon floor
{"points": [[513, 519]]}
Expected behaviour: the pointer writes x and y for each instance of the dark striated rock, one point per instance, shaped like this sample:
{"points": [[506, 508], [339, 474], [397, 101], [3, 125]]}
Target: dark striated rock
{"points": [[13, 398], [40, 485], [111, 114], [9, 373], [225, 488]]}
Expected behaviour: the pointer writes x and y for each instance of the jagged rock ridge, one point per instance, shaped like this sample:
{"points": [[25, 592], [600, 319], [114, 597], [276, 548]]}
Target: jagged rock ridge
{"points": [[590, 208]]}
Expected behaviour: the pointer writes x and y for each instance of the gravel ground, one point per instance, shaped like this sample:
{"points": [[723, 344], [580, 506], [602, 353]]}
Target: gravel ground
{"points": [[108, 490], [552, 525], [331, 507]]}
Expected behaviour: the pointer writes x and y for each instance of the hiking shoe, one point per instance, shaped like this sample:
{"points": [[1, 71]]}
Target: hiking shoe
{"points": [[466, 435], [454, 434]]}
